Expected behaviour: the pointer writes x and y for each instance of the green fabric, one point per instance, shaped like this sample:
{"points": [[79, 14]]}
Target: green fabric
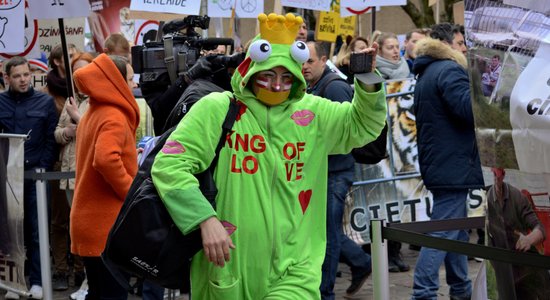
{"points": [[273, 164]]}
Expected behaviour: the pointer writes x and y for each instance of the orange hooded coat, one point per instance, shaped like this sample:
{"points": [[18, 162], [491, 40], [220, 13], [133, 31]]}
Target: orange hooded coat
{"points": [[106, 158]]}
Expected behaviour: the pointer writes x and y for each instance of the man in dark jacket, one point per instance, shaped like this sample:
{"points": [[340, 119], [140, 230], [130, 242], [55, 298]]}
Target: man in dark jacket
{"points": [[323, 82], [448, 155], [26, 111]]}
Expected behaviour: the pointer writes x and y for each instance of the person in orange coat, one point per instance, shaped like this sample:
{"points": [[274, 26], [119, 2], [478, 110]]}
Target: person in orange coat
{"points": [[106, 163]]}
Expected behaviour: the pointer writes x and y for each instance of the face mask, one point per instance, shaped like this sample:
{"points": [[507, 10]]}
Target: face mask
{"points": [[272, 98]]}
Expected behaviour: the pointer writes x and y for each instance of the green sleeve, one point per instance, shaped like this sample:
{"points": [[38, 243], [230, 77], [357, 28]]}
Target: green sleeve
{"points": [[360, 121], [189, 150]]}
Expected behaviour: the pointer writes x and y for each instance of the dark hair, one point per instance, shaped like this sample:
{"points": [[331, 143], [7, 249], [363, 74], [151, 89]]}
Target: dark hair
{"points": [[355, 40], [322, 48], [14, 62], [422, 31], [445, 32], [120, 63], [57, 53]]}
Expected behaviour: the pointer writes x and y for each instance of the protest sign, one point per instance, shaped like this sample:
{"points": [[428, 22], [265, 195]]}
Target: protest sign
{"points": [[55, 9], [188, 7], [322, 5], [12, 26]]}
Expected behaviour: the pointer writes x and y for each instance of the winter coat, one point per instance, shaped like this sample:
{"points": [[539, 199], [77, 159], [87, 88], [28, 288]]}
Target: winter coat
{"points": [[67, 154], [106, 157], [447, 147], [271, 178], [31, 113]]}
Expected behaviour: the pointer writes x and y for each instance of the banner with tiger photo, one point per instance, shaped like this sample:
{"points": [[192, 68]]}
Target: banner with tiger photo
{"points": [[12, 252], [393, 189]]}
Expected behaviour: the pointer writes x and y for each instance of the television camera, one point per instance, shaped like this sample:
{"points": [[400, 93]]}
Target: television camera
{"points": [[182, 45]]}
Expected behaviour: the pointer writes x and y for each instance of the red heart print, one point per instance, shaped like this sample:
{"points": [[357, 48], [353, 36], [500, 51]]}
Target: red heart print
{"points": [[304, 198]]}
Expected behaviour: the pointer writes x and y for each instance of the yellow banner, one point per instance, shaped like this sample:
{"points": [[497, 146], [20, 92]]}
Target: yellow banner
{"points": [[327, 26], [347, 26]]}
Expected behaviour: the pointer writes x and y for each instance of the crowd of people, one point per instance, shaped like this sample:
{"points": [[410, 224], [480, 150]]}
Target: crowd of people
{"points": [[298, 116]]}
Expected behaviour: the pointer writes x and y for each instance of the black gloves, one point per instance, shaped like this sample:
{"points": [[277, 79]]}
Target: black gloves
{"points": [[202, 68]]}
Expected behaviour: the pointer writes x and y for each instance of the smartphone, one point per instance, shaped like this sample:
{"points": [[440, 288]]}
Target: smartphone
{"points": [[360, 63]]}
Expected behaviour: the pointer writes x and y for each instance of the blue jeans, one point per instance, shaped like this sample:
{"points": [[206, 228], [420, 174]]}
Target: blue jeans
{"points": [[448, 204], [338, 186], [152, 291], [354, 256], [31, 232]]}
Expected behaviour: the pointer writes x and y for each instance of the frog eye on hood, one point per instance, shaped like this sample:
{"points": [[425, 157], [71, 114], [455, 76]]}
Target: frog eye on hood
{"points": [[299, 51], [260, 50]]}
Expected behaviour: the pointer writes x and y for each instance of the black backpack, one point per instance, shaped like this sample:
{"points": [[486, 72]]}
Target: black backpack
{"points": [[144, 241], [371, 153]]}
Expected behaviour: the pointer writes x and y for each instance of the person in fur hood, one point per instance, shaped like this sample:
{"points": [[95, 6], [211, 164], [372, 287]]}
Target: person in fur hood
{"points": [[447, 150]]}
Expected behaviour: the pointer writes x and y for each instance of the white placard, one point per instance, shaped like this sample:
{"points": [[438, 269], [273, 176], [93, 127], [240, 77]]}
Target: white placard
{"points": [[365, 3], [536, 5], [184, 7], [249, 8], [353, 11], [12, 29], [322, 5], [220, 8], [56, 9]]}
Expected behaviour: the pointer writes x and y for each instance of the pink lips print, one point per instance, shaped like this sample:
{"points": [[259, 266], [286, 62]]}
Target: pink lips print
{"points": [[230, 228], [303, 117], [173, 147]]}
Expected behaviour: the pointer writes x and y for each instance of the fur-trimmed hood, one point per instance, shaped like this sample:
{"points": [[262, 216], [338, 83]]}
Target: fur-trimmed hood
{"points": [[435, 50]]}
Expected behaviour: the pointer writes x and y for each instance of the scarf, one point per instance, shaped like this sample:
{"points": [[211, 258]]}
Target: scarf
{"points": [[391, 70], [57, 86]]}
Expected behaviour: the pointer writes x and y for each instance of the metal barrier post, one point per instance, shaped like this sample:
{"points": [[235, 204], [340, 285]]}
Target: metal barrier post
{"points": [[379, 251], [43, 237]]}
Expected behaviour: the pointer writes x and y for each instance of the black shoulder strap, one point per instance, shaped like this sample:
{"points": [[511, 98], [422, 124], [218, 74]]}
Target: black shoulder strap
{"points": [[330, 77], [226, 127]]}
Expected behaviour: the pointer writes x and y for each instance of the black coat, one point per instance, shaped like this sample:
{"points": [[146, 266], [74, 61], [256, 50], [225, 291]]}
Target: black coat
{"points": [[447, 147], [32, 113]]}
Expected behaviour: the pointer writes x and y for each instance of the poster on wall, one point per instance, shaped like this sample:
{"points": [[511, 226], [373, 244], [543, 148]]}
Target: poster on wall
{"points": [[509, 71]]}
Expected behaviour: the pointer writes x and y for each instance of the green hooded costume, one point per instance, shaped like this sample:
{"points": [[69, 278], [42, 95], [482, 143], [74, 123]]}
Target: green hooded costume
{"points": [[271, 178]]}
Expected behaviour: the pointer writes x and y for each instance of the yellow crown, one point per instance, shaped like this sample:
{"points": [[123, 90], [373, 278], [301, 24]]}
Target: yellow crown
{"points": [[278, 29]]}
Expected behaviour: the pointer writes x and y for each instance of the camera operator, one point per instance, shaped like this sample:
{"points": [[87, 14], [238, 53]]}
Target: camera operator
{"points": [[162, 97]]}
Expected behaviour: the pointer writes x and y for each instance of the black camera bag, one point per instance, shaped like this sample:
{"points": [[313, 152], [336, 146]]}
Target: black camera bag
{"points": [[144, 241]]}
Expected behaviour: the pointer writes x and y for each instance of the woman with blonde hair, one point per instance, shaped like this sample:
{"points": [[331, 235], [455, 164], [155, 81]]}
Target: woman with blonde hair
{"points": [[342, 59], [389, 61]]}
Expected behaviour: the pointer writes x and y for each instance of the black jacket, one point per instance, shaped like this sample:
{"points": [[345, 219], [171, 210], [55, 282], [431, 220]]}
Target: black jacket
{"points": [[31, 113], [447, 147]]}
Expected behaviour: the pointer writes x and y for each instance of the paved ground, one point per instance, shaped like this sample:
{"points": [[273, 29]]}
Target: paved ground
{"points": [[400, 283]]}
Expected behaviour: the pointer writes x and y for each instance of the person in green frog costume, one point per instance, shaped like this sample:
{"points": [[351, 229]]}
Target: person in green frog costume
{"points": [[266, 238]]}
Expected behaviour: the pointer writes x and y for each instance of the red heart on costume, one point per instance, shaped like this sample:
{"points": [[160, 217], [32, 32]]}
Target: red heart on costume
{"points": [[304, 198]]}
